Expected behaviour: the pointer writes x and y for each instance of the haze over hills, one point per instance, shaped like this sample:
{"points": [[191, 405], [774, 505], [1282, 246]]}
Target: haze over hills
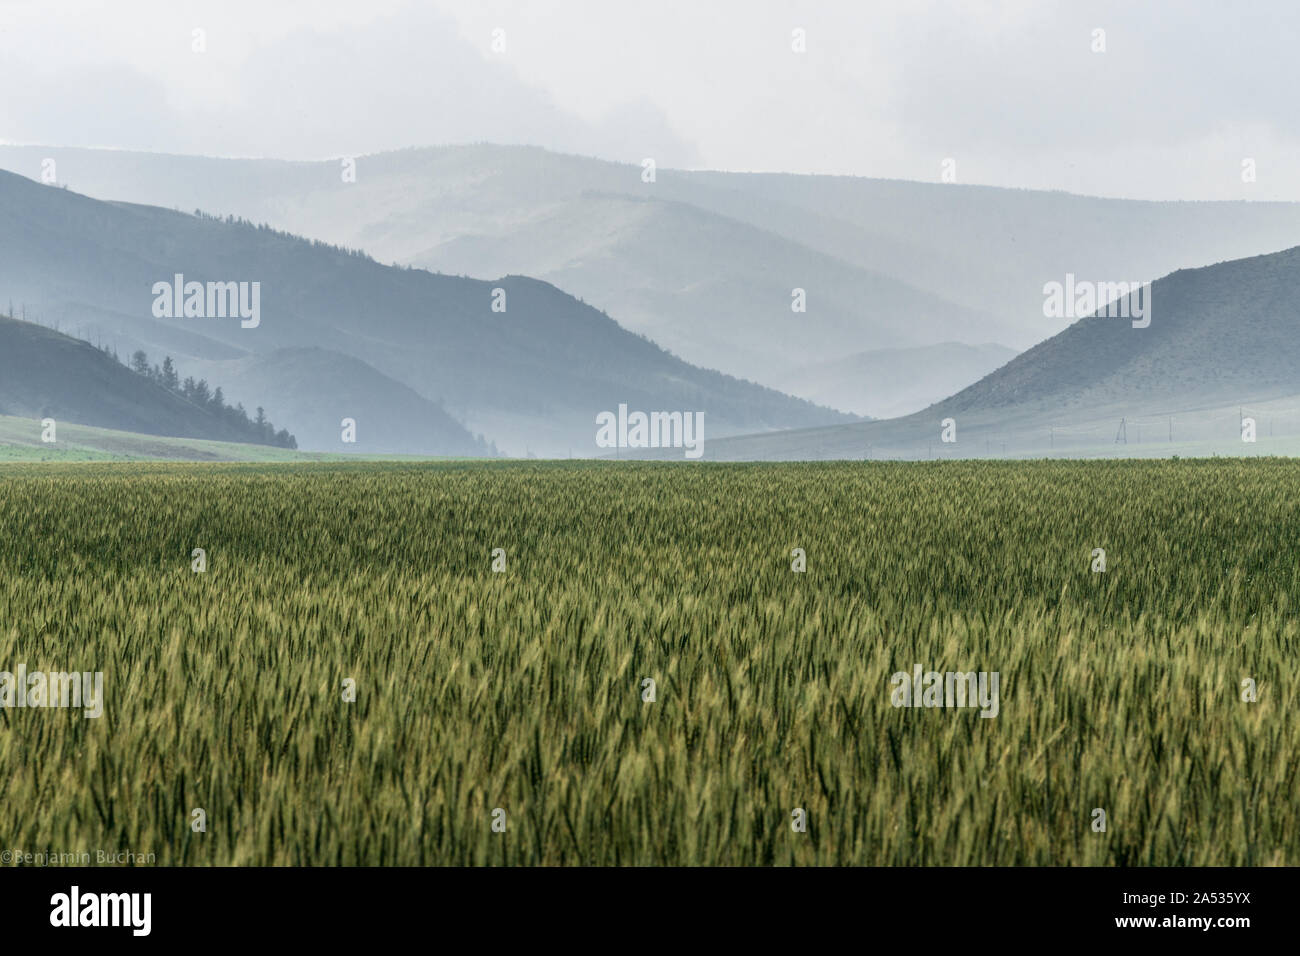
{"points": [[714, 290], [902, 280], [533, 376], [321, 388], [704, 262], [887, 383], [1223, 345]]}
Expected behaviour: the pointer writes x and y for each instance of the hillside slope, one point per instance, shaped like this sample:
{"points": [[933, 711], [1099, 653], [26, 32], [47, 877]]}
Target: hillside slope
{"points": [[45, 374], [317, 389], [20, 441], [1227, 331], [1223, 346]]}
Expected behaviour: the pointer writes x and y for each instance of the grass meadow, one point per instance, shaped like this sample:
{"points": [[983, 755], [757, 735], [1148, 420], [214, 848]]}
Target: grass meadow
{"points": [[521, 690]]}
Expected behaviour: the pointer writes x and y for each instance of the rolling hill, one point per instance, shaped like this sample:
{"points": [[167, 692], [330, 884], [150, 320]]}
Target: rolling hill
{"points": [[1223, 346], [46, 374]]}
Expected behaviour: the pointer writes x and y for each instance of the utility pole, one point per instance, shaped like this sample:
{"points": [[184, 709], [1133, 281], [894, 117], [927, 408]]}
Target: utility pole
{"points": [[1122, 434]]}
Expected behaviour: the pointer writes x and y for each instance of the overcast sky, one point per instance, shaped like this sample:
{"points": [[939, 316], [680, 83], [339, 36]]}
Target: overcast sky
{"points": [[1012, 91]]}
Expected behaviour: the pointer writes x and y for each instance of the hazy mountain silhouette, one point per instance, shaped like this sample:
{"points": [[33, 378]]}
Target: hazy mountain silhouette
{"points": [[704, 262], [320, 389], [533, 376], [716, 291]]}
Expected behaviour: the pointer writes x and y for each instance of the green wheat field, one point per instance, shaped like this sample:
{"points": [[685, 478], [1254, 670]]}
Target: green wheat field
{"points": [[522, 690]]}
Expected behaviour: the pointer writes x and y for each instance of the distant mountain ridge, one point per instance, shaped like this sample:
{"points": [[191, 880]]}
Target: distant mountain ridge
{"points": [[533, 375], [712, 289], [704, 262]]}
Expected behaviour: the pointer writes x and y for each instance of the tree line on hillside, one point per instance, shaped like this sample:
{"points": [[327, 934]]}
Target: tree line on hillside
{"points": [[258, 430], [264, 227]]}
